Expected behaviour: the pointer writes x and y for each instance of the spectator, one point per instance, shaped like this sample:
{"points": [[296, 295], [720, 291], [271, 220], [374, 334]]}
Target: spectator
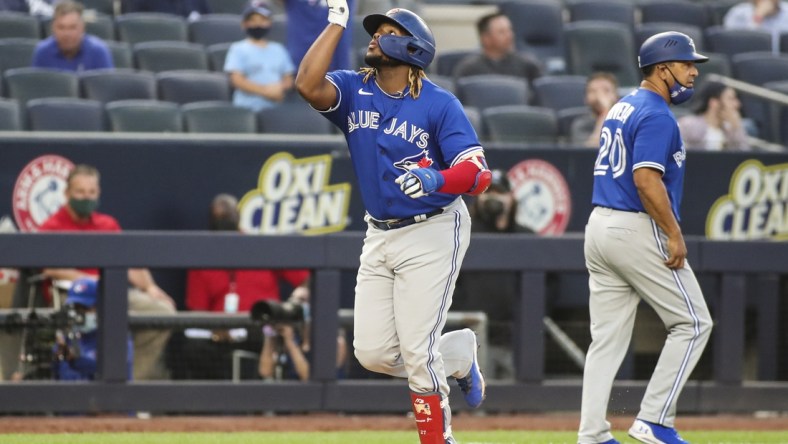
{"points": [[230, 291], [493, 292], [260, 70], [601, 95], [498, 55], [766, 15], [310, 15], [69, 48], [286, 348], [79, 215], [42, 8], [75, 356], [190, 9], [716, 124]]}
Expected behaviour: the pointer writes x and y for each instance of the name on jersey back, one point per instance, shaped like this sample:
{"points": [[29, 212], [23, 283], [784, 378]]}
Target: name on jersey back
{"points": [[620, 111]]}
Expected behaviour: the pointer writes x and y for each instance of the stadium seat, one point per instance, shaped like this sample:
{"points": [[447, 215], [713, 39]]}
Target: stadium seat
{"points": [[121, 54], [488, 90], [169, 56], [211, 29], [444, 82], [216, 55], [760, 68], [601, 46], [675, 11], [565, 118], [521, 124], [717, 64], [9, 115], [65, 114], [25, 84], [645, 30], [559, 92], [100, 6], [109, 85], [779, 112], [717, 10], [218, 117], [538, 29], [278, 32], [141, 27], [16, 53], [446, 61], [227, 6], [293, 117], [193, 86], [99, 25], [150, 116], [475, 117], [619, 11], [735, 41], [19, 25]]}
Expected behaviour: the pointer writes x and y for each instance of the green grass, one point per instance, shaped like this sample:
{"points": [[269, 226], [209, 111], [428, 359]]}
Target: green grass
{"points": [[491, 437]]}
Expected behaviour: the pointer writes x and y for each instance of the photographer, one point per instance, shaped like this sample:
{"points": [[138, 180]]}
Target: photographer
{"points": [[286, 348], [493, 292], [75, 344]]}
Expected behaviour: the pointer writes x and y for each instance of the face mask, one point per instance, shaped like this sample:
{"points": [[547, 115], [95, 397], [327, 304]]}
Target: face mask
{"points": [[83, 207], [257, 32], [90, 324], [678, 92]]}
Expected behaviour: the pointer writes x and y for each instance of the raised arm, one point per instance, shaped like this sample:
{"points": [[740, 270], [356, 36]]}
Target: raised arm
{"points": [[311, 80]]}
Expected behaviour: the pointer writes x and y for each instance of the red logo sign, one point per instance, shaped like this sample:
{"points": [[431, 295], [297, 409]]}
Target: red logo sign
{"points": [[544, 203], [39, 190]]}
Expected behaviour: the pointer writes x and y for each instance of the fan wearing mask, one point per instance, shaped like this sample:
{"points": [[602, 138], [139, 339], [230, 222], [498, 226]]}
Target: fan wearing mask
{"points": [[260, 70]]}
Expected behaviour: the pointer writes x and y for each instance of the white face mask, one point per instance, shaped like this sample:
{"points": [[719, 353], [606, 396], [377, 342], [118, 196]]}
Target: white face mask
{"points": [[90, 325]]}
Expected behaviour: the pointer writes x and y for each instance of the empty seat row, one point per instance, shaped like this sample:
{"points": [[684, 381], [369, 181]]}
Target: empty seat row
{"points": [[586, 47], [134, 28], [153, 116], [25, 84], [154, 56]]}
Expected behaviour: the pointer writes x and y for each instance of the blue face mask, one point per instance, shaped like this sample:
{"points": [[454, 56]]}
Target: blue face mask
{"points": [[678, 92]]}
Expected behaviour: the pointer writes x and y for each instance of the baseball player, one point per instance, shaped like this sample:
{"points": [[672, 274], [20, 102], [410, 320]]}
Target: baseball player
{"points": [[414, 153], [634, 248]]}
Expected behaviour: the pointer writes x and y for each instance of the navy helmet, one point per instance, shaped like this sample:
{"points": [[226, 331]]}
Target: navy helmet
{"points": [[83, 291], [418, 48], [669, 47]]}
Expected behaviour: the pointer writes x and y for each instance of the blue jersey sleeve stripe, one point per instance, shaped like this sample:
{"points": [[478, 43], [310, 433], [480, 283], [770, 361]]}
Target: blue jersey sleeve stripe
{"points": [[339, 98], [465, 153], [654, 165]]}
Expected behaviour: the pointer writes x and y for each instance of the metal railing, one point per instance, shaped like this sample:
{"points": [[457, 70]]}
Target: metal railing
{"points": [[756, 281]]}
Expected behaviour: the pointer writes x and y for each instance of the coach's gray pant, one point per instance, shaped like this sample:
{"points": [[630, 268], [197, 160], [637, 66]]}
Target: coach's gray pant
{"points": [[624, 254]]}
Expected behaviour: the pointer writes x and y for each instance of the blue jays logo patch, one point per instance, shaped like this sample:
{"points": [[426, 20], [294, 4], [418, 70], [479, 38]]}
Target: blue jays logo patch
{"points": [[421, 160]]}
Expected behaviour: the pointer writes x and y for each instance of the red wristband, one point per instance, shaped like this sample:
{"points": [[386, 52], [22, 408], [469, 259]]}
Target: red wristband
{"points": [[460, 178]]}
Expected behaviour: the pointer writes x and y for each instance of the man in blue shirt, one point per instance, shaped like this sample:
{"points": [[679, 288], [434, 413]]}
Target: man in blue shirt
{"points": [[69, 48], [634, 248], [260, 70]]}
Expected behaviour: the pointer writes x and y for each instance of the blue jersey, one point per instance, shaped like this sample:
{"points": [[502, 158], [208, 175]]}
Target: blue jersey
{"points": [[639, 131], [388, 136]]}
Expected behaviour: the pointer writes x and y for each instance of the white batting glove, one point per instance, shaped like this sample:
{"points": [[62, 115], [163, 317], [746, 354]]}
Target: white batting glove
{"points": [[338, 12]]}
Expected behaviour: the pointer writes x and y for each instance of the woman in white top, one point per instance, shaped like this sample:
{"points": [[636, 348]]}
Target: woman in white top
{"points": [[716, 124]]}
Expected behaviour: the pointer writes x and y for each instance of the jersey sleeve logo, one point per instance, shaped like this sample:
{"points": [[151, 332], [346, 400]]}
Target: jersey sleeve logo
{"points": [[364, 93], [421, 160]]}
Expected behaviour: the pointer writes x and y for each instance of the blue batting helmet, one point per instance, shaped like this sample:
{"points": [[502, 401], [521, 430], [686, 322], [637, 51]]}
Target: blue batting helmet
{"points": [[416, 49], [83, 291], [669, 47]]}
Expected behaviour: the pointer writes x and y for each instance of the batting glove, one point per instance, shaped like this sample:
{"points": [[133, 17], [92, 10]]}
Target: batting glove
{"points": [[338, 12], [420, 182]]}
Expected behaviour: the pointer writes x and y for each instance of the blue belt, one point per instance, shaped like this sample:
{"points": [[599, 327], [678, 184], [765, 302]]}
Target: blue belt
{"points": [[399, 223]]}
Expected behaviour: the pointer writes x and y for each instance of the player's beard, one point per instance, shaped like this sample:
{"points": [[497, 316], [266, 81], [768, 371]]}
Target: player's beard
{"points": [[379, 61]]}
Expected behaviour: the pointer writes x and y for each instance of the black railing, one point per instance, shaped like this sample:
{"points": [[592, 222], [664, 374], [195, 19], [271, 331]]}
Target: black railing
{"points": [[744, 270]]}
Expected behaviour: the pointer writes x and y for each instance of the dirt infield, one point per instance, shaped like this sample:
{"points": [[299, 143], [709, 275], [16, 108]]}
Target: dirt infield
{"points": [[334, 422]]}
